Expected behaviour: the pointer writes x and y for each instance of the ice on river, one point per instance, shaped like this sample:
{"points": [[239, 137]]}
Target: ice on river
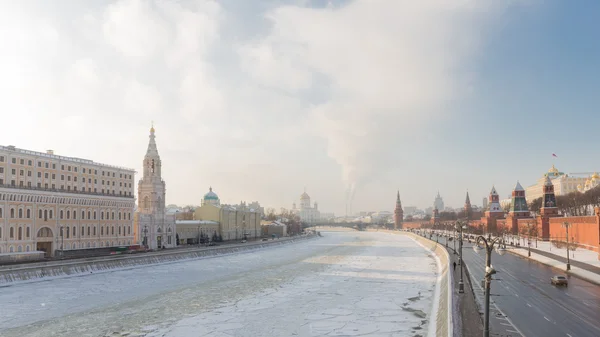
{"points": [[345, 283]]}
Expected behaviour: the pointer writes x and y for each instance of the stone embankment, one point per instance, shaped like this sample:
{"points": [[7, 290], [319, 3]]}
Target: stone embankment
{"points": [[35, 271]]}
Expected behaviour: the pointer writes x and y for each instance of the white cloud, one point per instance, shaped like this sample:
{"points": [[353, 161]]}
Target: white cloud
{"points": [[233, 104], [389, 67]]}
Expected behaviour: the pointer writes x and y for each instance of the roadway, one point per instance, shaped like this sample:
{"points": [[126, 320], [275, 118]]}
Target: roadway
{"points": [[522, 291]]}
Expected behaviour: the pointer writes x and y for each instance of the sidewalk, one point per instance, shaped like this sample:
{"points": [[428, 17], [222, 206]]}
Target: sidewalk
{"points": [[588, 269], [471, 323]]}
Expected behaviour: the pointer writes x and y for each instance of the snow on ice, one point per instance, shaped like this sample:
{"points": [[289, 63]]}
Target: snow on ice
{"points": [[345, 283]]}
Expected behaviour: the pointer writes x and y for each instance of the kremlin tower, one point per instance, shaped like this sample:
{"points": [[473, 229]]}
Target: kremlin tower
{"points": [[398, 213], [494, 211], [467, 208], [549, 209], [518, 208]]}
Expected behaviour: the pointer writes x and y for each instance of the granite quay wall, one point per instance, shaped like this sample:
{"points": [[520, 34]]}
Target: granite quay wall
{"points": [[35, 271], [442, 318]]}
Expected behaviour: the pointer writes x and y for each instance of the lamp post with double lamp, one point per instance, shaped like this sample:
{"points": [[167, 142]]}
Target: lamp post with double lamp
{"points": [[529, 239], [566, 225], [460, 227], [488, 244], [146, 236]]}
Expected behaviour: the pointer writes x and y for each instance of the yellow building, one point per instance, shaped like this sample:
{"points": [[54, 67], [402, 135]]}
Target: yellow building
{"points": [[563, 184], [234, 221], [54, 203]]}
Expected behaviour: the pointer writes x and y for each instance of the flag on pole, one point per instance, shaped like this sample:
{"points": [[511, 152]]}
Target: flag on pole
{"points": [[554, 155]]}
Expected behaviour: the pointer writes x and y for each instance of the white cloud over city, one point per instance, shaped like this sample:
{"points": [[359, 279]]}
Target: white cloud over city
{"points": [[257, 101]]}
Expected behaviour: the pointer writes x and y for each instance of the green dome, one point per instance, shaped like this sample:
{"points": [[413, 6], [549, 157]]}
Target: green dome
{"points": [[211, 195]]}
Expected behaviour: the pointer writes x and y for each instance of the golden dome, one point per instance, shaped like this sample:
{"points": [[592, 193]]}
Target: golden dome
{"points": [[152, 128], [595, 176], [553, 169]]}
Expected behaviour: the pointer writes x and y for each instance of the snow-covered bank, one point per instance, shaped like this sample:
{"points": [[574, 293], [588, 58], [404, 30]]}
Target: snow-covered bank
{"points": [[344, 282], [45, 270]]}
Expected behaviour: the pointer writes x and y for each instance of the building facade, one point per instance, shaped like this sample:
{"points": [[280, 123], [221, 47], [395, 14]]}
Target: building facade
{"points": [[307, 214], [155, 228], [234, 222], [55, 203], [438, 203], [563, 184]]}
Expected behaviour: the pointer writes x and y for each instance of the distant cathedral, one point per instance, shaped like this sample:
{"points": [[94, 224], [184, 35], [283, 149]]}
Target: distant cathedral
{"points": [[306, 213], [155, 229]]}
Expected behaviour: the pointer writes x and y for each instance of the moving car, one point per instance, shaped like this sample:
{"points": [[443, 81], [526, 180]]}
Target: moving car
{"points": [[244, 241], [559, 280]]}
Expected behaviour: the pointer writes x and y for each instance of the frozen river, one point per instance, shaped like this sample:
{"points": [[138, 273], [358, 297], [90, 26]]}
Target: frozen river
{"points": [[342, 284]]}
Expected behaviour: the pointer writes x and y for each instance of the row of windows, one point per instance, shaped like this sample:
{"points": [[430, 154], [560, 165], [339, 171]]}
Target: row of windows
{"points": [[62, 188], [71, 232], [67, 232], [47, 199], [68, 246], [47, 214], [69, 168], [68, 177]]}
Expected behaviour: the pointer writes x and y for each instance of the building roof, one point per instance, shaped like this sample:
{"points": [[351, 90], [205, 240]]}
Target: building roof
{"points": [[211, 195], [195, 222], [519, 187]]}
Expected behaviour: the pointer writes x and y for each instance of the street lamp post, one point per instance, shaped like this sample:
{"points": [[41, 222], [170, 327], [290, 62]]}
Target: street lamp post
{"points": [[145, 236], [488, 244], [529, 239], [567, 225], [461, 284]]}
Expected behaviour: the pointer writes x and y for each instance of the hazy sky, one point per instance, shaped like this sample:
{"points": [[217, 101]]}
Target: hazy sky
{"points": [[260, 99]]}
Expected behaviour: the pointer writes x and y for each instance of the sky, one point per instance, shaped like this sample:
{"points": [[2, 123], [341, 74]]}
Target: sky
{"points": [[351, 100]]}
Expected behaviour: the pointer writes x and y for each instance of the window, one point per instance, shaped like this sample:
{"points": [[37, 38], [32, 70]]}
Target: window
{"points": [[46, 175], [22, 161], [53, 186], [94, 230], [75, 231], [28, 233], [39, 174], [12, 213], [20, 213], [0, 212], [39, 164], [112, 230], [94, 215], [1, 169], [1, 181], [54, 166], [169, 239], [14, 160], [113, 215], [53, 175], [82, 215], [40, 214], [28, 213], [62, 177], [60, 214], [68, 232], [101, 215], [29, 173], [1, 159], [89, 215], [50, 214], [46, 165], [102, 230], [20, 235], [129, 230], [69, 217], [21, 172], [12, 233], [45, 215], [68, 168], [89, 230], [13, 171], [119, 230], [62, 167], [68, 178], [29, 162]]}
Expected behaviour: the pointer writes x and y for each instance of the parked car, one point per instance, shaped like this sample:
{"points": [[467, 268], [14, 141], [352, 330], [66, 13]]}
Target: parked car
{"points": [[244, 241], [559, 280], [265, 239]]}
